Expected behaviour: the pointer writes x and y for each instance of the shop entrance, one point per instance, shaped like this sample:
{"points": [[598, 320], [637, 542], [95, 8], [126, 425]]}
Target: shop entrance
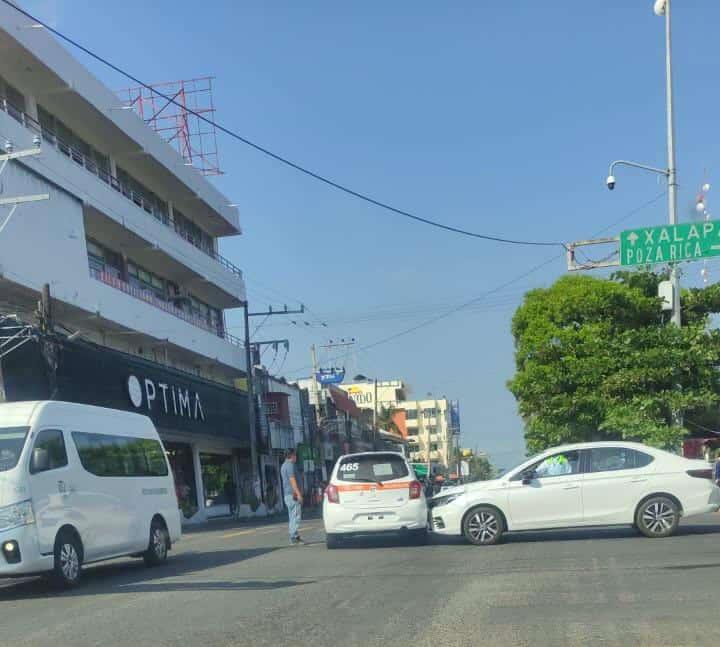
{"points": [[180, 456]]}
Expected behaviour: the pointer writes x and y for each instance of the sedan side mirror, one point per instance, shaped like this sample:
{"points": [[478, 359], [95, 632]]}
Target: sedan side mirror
{"points": [[528, 476]]}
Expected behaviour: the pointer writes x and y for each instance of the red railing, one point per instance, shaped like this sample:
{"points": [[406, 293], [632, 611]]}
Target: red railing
{"points": [[151, 298]]}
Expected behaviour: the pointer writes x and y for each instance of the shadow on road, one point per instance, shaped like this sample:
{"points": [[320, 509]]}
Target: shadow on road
{"points": [[134, 576], [614, 532]]}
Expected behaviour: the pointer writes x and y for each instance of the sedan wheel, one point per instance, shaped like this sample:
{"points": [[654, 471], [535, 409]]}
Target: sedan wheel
{"points": [[658, 517], [483, 526]]}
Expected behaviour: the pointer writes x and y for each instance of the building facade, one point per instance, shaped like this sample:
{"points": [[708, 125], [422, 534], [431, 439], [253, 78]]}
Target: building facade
{"points": [[389, 393], [433, 432], [128, 246]]}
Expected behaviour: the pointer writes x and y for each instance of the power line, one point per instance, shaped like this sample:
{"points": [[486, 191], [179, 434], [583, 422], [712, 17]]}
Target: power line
{"points": [[464, 305], [280, 158]]}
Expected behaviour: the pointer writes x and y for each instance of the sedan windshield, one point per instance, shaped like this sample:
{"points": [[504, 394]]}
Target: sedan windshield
{"points": [[12, 440]]}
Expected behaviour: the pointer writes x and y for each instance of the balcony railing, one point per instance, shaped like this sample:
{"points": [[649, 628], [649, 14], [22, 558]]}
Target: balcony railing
{"points": [[102, 174], [281, 435], [151, 298]]}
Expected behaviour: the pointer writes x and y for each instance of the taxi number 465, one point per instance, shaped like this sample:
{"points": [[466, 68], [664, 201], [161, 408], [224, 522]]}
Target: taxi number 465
{"points": [[350, 467]]}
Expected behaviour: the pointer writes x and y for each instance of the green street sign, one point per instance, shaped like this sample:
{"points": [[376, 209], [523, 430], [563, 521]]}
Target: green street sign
{"points": [[670, 243]]}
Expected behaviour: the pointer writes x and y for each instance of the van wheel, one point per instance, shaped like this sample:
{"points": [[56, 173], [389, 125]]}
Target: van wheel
{"points": [[157, 551], [67, 567]]}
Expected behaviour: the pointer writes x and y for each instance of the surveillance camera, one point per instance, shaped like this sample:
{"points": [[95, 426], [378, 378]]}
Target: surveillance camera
{"points": [[610, 182], [9, 147], [37, 141]]}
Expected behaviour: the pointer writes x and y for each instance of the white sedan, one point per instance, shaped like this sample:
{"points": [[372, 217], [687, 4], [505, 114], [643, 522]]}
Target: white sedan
{"points": [[588, 484]]}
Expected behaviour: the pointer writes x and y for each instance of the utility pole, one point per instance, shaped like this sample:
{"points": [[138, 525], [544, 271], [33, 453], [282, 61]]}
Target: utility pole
{"points": [[316, 390], [375, 413], [252, 421], [254, 458]]}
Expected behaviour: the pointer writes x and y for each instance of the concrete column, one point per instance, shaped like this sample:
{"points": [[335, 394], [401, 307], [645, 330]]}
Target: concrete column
{"points": [[31, 107], [199, 482]]}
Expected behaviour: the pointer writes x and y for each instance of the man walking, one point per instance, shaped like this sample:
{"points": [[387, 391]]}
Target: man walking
{"points": [[293, 496]]}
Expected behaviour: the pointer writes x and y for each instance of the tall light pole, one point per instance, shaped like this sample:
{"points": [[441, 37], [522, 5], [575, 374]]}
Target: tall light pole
{"points": [[662, 8]]}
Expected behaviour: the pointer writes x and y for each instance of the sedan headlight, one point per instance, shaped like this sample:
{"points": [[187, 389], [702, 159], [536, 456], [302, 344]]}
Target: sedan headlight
{"points": [[443, 500], [16, 515]]}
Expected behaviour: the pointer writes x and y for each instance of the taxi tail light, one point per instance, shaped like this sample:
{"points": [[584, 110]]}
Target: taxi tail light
{"points": [[415, 489], [333, 496]]}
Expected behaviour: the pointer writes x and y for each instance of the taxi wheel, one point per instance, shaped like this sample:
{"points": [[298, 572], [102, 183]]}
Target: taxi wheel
{"points": [[332, 541], [483, 526]]}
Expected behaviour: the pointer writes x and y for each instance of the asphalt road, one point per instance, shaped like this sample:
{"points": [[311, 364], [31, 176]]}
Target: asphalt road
{"points": [[246, 586]]}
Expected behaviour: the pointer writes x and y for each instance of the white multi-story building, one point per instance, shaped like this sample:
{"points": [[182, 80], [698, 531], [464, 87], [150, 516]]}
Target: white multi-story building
{"points": [[388, 392], [128, 244], [430, 430]]}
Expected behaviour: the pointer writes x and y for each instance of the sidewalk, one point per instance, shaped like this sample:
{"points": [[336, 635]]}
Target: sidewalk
{"points": [[228, 523]]}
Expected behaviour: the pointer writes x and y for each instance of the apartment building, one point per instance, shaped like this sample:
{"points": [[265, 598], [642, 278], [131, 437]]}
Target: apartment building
{"points": [[128, 245], [433, 430]]}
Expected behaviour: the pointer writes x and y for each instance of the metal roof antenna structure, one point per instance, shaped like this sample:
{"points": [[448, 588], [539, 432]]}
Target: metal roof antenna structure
{"points": [[178, 121]]}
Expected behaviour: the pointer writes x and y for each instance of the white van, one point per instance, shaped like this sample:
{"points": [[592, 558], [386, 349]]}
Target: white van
{"points": [[80, 484]]}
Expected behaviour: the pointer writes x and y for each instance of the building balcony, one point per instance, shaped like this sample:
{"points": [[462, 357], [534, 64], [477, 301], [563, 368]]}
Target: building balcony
{"points": [[150, 298], [139, 201], [281, 435]]}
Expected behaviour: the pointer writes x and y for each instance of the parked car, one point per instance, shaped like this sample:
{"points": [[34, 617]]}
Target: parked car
{"points": [[588, 484], [373, 493], [81, 484]]}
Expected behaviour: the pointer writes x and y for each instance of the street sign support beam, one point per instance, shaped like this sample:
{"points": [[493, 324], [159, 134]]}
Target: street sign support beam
{"points": [[610, 260]]}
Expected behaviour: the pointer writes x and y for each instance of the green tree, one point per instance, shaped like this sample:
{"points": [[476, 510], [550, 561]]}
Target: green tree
{"points": [[481, 469], [596, 359]]}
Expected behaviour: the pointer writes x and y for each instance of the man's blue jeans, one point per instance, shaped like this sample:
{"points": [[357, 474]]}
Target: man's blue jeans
{"points": [[294, 515]]}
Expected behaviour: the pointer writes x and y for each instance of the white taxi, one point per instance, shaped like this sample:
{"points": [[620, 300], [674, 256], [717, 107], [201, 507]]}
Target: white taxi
{"points": [[372, 493]]}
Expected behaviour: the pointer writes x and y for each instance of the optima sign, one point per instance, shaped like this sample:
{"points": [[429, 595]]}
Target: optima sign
{"points": [[175, 401]]}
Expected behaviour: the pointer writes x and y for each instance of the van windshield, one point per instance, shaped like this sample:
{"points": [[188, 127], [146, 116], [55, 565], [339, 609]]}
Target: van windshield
{"points": [[12, 440]]}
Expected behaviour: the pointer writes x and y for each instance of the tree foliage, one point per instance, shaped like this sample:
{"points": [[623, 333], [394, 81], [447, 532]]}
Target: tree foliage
{"points": [[596, 359], [480, 468]]}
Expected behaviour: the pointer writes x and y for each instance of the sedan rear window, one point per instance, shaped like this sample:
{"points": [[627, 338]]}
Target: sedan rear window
{"points": [[372, 468]]}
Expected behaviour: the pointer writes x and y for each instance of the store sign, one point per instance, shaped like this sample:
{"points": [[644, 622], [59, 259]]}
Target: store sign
{"points": [[455, 416], [330, 376], [359, 396], [175, 400], [91, 374]]}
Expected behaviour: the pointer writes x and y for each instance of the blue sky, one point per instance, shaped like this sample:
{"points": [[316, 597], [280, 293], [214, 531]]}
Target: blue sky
{"points": [[499, 117]]}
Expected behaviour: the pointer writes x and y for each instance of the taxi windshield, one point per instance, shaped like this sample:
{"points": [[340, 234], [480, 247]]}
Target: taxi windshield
{"points": [[374, 468], [12, 440]]}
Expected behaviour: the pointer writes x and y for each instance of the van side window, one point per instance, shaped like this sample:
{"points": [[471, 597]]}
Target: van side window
{"points": [[49, 451], [105, 455]]}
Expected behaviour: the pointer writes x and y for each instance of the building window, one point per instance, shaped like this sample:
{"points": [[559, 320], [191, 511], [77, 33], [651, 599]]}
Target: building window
{"points": [[411, 414], [14, 100], [433, 447], [429, 413], [412, 431], [271, 408], [56, 132]]}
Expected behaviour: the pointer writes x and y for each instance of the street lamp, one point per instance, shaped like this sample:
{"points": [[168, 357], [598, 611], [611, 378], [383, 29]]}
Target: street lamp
{"points": [[662, 8]]}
